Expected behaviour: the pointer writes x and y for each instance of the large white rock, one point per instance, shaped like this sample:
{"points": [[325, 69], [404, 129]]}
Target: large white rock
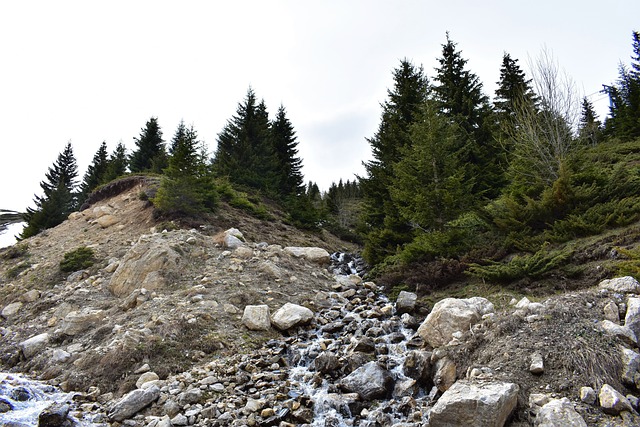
{"points": [[632, 317], [630, 366], [312, 254], [451, 315], [144, 266], [612, 401], [77, 322], [623, 332], [256, 317], [559, 413], [11, 310], [34, 345], [133, 402], [623, 285], [467, 403], [370, 381], [290, 315]]}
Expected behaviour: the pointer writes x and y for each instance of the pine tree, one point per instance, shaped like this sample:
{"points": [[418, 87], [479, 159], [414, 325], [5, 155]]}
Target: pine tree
{"points": [[590, 128], [624, 98], [95, 174], [384, 229], [150, 154], [117, 164], [187, 185], [430, 187], [58, 199], [513, 89], [244, 153], [458, 95], [283, 139], [180, 133]]}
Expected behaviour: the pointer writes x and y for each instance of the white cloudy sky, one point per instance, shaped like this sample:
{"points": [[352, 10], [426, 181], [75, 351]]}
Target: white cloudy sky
{"points": [[87, 71]]}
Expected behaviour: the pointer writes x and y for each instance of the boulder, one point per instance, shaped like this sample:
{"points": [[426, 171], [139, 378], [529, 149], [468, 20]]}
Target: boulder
{"points": [[291, 315], [623, 332], [630, 366], [612, 401], [106, 221], [406, 302], [77, 322], [611, 312], [559, 412], [312, 254], [133, 402], [34, 345], [588, 395], [144, 266], [537, 364], [327, 362], [623, 285], [444, 374], [256, 317], [632, 317], [474, 404], [452, 315], [11, 310], [417, 365], [54, 415], [370, 381], [145, 378], [31, 296]]}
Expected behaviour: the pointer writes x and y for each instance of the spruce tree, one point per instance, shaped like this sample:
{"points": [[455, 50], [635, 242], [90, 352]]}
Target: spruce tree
{"points": [[430, 186], [187, 185], [513, 89], [283, 139], [150, 154], [117, 163], [590, 128], [244, 153], [458, 95], [58, 199], [624, 98], [384, 229], [95, 174]]}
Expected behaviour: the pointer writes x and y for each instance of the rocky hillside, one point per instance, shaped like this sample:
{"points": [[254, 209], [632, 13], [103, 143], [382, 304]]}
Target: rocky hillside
{"points": [[243, 322]]}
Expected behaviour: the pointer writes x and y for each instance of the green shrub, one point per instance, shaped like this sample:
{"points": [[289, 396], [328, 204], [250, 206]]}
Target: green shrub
{"points": [[14, 271], [78, 259]]}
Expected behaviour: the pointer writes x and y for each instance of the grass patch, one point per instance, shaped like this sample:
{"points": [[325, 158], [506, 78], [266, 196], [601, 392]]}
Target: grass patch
{"points": [[15, 271], [78, 259]]}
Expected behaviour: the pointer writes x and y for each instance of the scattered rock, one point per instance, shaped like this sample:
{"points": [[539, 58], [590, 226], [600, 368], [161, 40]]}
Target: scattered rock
{"points": [[256, 317], [474, 404], [34, 345], [559, 412], [54, 415], [11, 310], [290, 315], [622, 332], [79, 321], [369, 381], [623, 285], [312, 254], [588, 395], [537, 364], [146, 377], [406, 302], [612, 401], [452, 315], [133, 402], [445, 374]]}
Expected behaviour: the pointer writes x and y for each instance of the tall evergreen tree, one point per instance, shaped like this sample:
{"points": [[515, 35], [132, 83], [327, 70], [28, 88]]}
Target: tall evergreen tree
{"points": [[624, 97], [384, 229], [178, 136], [187, 184], [283, 139], [95, 174], [244, 153], [430, 187], [150, 154], [58, 199], [117, 163], [590, 128], [513, 88], [458, 95]]}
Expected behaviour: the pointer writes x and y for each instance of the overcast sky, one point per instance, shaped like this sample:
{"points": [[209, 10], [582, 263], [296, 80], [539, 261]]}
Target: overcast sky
{"points": [[87, 72]]}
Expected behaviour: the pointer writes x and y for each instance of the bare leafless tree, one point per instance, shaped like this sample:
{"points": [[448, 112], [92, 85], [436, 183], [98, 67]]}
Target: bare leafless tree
{"points": [[543, 135]]}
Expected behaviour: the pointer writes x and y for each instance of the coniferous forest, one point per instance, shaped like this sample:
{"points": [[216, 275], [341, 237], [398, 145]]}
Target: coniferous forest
{"points": [[459, 178]]}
